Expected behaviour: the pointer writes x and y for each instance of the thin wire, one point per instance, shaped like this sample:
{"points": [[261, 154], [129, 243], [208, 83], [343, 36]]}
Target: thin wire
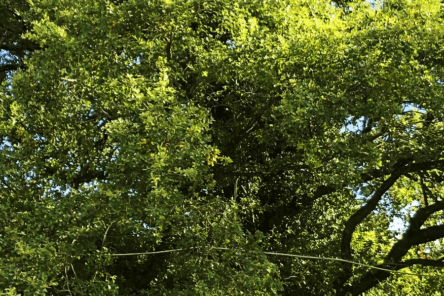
{"points": [[147, 253], [289, 255]]}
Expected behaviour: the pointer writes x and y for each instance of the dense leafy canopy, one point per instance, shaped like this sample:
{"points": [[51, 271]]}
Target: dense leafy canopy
{"points": [[296, 126]]}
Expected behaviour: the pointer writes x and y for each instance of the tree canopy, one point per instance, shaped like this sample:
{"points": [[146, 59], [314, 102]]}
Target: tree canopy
{"points": [[219, 138]]}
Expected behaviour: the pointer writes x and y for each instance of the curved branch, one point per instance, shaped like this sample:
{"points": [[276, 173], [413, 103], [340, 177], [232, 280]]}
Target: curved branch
{"points": [[364, 211], [356, 219], [413, 236], [374, 278]]}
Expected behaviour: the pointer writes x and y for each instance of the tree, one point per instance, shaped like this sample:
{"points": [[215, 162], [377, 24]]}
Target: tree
{"points": [[208, 132], [13, 49]]}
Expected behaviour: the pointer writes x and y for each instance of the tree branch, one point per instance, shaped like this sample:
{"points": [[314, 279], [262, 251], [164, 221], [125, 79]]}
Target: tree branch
{"points": [[374, 278], [423, 262], [424, 190], [6, 68], [357, 218], [413, 236]]}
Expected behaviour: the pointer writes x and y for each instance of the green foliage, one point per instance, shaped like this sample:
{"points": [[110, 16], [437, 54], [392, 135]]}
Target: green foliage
{"points": [[299, 126]]}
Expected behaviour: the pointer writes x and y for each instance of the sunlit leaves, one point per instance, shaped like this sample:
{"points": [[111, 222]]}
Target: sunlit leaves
{"points": [[153, 125]]}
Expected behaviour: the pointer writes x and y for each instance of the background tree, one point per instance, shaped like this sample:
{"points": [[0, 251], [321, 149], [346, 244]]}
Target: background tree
{"points": [[300, 127], [13, 48]]}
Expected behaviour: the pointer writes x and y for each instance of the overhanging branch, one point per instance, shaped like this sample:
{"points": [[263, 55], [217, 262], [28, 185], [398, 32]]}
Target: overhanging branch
{"points": [[364, 211], [423, 262], [356, 219], [375, 277], [413, 236]]}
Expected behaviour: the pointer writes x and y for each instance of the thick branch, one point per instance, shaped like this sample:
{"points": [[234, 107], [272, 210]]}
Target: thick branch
{"points": [[413, 236], [364, 211], [429, 165], [365, 177], [373, 278], [428, 235], [354, 221], [5, 68], [368, 126], [12, 47], [423, 262]]}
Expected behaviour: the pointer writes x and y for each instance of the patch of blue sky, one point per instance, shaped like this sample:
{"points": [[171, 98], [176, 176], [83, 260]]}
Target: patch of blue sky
{"points": [[138, 60], [400, 225], [411, 106], [355, 126], [230, 44], [5, 56], [5, 144]]}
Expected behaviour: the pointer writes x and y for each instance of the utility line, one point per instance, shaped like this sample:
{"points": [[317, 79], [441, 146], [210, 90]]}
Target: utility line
{"points": [[287, 255]]}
